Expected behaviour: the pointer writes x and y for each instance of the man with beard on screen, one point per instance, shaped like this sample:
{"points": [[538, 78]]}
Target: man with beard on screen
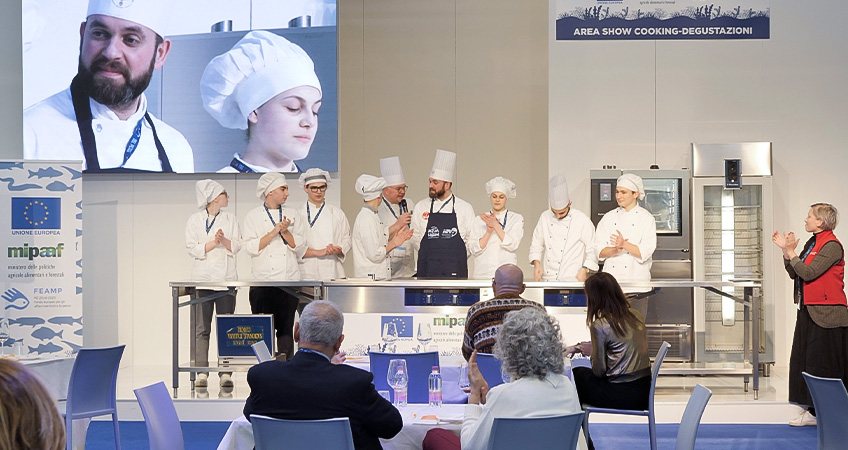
{"points": [[102, 117]]}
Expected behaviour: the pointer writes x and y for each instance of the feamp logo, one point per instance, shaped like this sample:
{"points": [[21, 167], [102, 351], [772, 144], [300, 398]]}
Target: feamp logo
{"points": [[36, 213]]}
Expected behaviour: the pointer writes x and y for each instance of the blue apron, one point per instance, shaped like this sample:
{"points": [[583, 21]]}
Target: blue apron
{"points": [[442, 253]]}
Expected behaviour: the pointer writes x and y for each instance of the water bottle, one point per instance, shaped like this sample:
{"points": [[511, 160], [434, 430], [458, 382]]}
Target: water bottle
{"points": [[435, 383]]}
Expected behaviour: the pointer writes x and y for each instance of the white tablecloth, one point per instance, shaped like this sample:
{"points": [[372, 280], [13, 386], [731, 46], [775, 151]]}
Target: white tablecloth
{"points": [[240, 434]]}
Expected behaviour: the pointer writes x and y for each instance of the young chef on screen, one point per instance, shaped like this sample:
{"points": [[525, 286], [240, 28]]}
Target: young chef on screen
{"points": [[373, 241], [266, 85], [442, 224], [274, 238], [563, 245], [496, 235], [327, 230], [213, 239], [394, 208]]}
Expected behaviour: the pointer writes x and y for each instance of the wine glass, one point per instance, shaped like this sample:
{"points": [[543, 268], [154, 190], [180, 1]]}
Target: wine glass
{"points": [[398, 378], [425, 335], [464, 383], [4, 334], [390, 335]]}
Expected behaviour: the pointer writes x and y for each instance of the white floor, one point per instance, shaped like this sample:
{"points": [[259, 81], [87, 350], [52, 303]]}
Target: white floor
{"points": [[729, 403]]}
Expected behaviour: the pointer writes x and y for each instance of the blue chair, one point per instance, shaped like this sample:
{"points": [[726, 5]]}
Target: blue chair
{"points": [[327, 434], [160, 417], [419, 366], [538, 433], [649, 413], [490, 368], [692, 418], [261, 351], [831, 402], [91, 391]]}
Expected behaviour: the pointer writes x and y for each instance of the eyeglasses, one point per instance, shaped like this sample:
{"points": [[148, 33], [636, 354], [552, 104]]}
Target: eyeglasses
{"points": [[321, 188], [400, 188]]}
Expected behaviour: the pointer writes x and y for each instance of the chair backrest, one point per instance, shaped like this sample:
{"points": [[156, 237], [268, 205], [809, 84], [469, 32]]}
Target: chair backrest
{"points": [[160, 417], [327, 434], [261, 351], [831, 402], [490, 367], [692, 418], [655, 371], [91, 390], [419, 366], [538, 433]]}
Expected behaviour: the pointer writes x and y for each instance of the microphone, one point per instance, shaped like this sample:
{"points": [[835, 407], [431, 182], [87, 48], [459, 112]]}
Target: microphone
{"points": [[403, 207]]}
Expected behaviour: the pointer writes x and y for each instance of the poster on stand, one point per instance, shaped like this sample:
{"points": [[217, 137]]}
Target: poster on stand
{"points": [[610, 20], [41, 226]]}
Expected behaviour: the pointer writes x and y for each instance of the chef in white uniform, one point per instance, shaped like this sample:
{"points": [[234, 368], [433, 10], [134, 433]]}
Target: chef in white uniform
{"points": [[396, 210], [626, 238], [442, 224], [268, 86], [213, 239], [274, 237], [496, 235], [372, 240], [563, 245], [102, 118], [327, 230]]}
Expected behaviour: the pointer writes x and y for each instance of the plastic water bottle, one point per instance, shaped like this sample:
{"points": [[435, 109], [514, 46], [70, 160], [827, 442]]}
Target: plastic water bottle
{"points": [[435, 383]]}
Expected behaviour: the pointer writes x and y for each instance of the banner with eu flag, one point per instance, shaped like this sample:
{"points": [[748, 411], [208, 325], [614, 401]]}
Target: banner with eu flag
{"points": [[41, 227], [402, 323]]}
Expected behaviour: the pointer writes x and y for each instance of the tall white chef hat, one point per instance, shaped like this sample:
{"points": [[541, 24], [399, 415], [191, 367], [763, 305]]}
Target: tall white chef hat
{"points": [[153, 14], [206, 191], [501, 184], [558, 191], [369, 186], [260, 66], [314, 175], [632, 182], [443, 166], [268, 182], [392, 171]]}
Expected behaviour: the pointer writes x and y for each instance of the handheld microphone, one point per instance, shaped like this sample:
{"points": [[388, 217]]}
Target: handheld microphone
{"points": [[403, 207]]}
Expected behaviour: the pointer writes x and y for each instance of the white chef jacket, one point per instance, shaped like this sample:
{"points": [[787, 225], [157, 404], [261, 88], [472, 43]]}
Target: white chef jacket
{"points": [[331, 227], [219, 264], [464, 218], [370, 238], [277, 261], [525, 397], [51, 132], [638, 227], [258, 169], [403, 257], [497, 252], [564, 246]]}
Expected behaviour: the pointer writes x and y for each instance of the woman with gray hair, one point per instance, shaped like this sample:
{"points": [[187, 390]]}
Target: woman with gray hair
{"points": [[530, 347], [821, 326]]}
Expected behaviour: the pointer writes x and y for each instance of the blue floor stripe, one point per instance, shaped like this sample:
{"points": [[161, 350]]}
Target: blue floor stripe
{"points": [[207, 435]]}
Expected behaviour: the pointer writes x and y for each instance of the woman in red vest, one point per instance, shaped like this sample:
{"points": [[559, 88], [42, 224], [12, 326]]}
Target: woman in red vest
{"points": [[821, 328]]}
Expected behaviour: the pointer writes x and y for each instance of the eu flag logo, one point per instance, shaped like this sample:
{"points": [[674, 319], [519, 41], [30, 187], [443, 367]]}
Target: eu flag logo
{"points": [[30, 213], [403, 324]]}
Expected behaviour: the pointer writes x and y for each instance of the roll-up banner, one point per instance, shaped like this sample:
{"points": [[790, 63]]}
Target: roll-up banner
{"points": [[41, 229], [605, 20]]}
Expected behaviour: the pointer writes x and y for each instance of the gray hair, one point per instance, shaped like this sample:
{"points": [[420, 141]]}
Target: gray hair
{"points": [[529, 343], [827, 213], [321, 323]]}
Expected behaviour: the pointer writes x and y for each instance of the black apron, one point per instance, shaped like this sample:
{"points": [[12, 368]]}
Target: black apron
{"points": [[442, 253], [82, 110]]}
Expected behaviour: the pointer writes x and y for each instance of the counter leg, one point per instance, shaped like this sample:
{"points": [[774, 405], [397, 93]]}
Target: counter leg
{"points": [[746, 324], [755, 339], [175, 320], [192, 311]]}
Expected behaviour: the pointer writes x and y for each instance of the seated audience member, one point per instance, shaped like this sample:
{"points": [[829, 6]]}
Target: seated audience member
{"points": [[309, 386], [484, 318], [620, 376], [529, 344], [29, 419]]}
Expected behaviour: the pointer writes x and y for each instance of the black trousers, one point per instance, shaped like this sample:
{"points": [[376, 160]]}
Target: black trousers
{"points": [[600, 392], [282, 305], [817, 351]]}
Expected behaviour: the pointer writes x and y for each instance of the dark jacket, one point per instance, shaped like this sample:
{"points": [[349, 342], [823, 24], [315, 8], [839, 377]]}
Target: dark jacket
{"points": [[310, 387]]}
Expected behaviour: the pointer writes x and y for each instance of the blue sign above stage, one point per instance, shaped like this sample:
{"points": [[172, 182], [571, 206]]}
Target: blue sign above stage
{"points": [[585, 20]]}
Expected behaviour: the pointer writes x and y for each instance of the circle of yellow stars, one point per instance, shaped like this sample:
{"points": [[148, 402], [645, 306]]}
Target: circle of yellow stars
{"points": [[34, 208], [400, 324]]}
